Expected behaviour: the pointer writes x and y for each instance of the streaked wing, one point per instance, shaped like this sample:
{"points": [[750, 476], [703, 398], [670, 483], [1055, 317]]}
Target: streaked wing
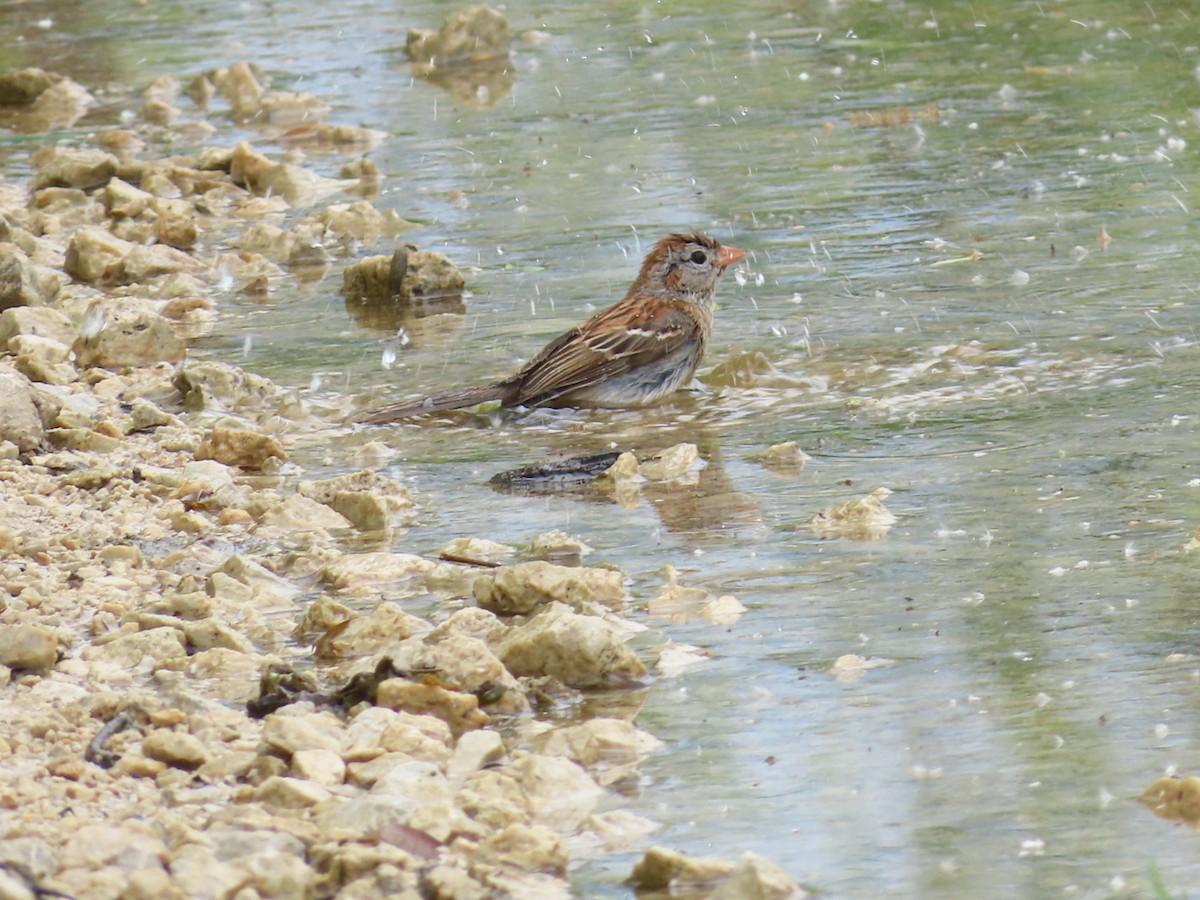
{"points": [[605, 346]]}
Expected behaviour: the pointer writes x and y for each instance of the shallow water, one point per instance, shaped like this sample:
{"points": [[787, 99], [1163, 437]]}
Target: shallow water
{"points": [[971, 263]]}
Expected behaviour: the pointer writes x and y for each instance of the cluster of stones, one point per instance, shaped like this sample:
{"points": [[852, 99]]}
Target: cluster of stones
{"points": [[160, 551]]}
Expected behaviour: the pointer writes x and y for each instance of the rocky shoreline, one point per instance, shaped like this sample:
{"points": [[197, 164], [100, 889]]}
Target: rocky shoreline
{"points": [[209, 680]]}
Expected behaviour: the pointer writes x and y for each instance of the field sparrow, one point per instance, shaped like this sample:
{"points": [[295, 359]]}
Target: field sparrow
{"points": [[637, 351]]}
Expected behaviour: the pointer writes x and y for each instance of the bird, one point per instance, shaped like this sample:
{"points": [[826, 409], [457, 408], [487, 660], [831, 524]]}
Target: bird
{"points": [[637, 351]]}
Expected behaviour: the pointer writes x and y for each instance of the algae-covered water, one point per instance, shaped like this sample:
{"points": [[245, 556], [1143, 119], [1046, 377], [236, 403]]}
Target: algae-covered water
{"points": [[972, 280]]}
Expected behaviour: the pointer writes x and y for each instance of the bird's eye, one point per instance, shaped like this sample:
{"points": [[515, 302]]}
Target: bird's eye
{"points": [[699, 257]]}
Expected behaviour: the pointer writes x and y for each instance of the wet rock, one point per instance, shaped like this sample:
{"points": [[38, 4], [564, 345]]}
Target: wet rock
{"points": [[860, 519], [608, 748], [122, 332], [557, 792], [21, 282], [122, 199], [360, 635], [20, 421], [289, 734], [178, 749], [376, 568], [35, 322], [31, 348], [320, 766], [755, 877], [242, 84], [753, 370], [579, 650], [176, 230], [360, 221], [786, 458], [21, 87], [558, 547], [370, 500], [128, 846], [132, 651], [678, 463], [239, 447], [465, 662], [208, 484], [290, 793], [296, 185], [531, 848], [29, 647], [478, 551], [458, 710], [205, 385], [228, 674], [474, 751], [271, 241], [424, 274], [471, 33], [96, 256], [65, 167], [660, 868], [298, 513], [521, 588], [471, 622], [264, 587], [38, 101]]}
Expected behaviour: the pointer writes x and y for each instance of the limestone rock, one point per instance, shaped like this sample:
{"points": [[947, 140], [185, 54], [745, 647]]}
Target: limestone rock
{"points": [[37, 322], [131, 651], [659, 868], [472, 33], [20, 421], [298, 513], [457, 709], [123, 332], [370, 500], [28, 647], [289, 734], [21, 282], [579, 650], [360, 635], [238, 447], [21, 87], [407, 276], [65, 167], [374, 568], [521, 588], [178, 749]]}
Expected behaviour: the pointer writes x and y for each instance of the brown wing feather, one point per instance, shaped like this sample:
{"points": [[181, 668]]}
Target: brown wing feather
{"points": [[599, 350]]}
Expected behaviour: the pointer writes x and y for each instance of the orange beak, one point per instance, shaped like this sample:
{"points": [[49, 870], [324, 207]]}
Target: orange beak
{"points": [[729, 256]]}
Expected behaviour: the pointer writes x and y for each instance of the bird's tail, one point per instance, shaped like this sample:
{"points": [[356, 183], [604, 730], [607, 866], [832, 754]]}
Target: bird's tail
{"points": [[460, 399]]}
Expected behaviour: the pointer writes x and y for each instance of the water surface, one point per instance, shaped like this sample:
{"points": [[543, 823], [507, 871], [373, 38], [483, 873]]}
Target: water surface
{"points": [[972, 265]]}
